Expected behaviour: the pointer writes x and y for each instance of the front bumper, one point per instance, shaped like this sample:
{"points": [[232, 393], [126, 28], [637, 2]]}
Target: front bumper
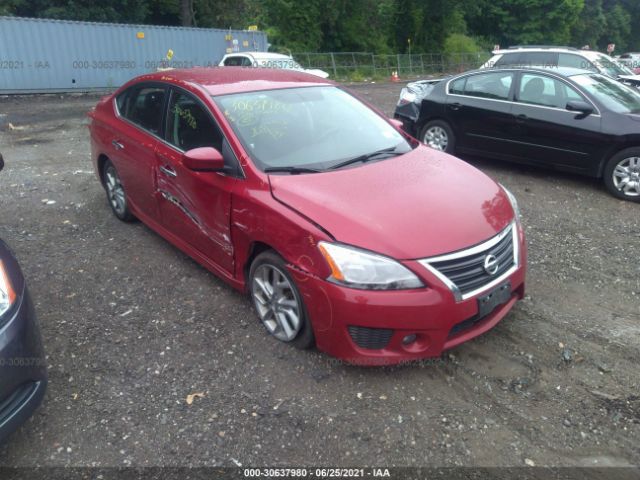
{"points": [[344, 319], [23, 374]]}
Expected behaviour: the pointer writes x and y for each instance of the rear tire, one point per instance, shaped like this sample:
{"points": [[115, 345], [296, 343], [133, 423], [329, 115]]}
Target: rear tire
{"points": [[278, 302], [116, 195], [438, 135], [622, 174]]}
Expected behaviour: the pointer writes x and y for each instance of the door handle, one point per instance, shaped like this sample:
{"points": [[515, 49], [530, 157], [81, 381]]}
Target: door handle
{"points": [[117, 145], [168, 171], [521, 118], [455, 106]]}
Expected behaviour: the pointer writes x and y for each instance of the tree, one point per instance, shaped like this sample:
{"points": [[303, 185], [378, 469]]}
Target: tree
{"points": [[590, 26], [381, 26], [294, 24], [187, 16], [514, 22], [618, 22]]}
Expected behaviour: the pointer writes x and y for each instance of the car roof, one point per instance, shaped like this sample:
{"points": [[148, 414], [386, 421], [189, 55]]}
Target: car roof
{"points": [[585, 53], [260, 54], [227, 80], [537, 49], [562, 71]]}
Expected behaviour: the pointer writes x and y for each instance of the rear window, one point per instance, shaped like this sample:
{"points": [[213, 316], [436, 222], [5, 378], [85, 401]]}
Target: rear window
{"points": [[234, 62], [508, 60], [524, 59]]}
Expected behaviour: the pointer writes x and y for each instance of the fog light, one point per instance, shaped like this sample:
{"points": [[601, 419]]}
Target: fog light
{"points": [[409, 339]]}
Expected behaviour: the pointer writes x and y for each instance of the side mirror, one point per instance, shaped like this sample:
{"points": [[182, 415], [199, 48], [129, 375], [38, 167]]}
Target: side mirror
{"points": [[396, 123], [203, 159], [580, 107], [1, 162]]}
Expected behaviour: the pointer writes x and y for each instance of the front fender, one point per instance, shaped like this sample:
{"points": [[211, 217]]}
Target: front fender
{"points": [[258, 218]]}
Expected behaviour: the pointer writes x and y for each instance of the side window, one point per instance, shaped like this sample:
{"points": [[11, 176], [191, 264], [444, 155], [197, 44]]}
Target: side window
{"points": [[546, 91], [143, 106], [489, 85], [508, 59], [233, 62], [571, 94], [457, 87], [121, 101], [538, 58], [190, 125], [246, 62], [573, 61]]}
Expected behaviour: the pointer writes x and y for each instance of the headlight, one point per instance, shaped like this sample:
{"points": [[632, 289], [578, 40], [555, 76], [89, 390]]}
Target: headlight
{"points": [[513, 200], [7, 295], [359, 269]]}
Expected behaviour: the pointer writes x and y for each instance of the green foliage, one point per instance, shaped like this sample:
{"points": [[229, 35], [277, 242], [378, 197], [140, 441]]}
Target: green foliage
{"points": [[379, 26], [618, 27], [521, 22], [459, 43], [295, 23], [591, 25]]}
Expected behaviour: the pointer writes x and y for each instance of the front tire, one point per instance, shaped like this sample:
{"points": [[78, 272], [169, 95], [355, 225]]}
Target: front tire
{"points": [[116, 195], [278, 302], [622, 174], [438, 135]]}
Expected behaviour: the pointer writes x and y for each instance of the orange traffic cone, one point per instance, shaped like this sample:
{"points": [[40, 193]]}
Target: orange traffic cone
{"points": [[394, 76]]}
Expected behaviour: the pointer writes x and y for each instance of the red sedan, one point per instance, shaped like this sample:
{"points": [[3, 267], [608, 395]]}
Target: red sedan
{"points": [[346, 232]]}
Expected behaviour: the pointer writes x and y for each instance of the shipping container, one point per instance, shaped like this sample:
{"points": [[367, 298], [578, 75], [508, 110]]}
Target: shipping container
{"points": [[42, 55]]}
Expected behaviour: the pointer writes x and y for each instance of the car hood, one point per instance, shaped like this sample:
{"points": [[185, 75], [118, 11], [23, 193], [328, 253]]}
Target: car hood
{"points": [[417, 205]]}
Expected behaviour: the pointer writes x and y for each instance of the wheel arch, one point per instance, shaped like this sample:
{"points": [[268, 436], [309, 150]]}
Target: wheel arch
{"points": [[616, 149], [102, 160], [427, 120], [256, 247]]}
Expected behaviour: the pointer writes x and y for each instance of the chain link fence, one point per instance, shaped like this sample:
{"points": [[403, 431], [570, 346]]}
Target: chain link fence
{"points": [[368, 65]]}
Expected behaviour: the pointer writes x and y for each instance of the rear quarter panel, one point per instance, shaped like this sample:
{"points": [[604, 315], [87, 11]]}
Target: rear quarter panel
{"points": [[100, 130], [433, 107]]}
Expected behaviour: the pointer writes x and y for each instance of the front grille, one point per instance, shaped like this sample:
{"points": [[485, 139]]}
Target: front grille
{"points": [[370, 338], [467, 271]]}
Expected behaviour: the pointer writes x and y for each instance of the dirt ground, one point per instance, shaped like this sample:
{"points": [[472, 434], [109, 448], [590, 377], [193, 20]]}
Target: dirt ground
{"points": [[132, 326]]}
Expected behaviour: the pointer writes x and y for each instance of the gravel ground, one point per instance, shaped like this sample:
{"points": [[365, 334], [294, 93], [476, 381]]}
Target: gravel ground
{"points": [[132, 326]]}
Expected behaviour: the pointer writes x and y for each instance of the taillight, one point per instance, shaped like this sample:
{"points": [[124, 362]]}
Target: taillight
{"points": [[406, 97], [7, 294]]}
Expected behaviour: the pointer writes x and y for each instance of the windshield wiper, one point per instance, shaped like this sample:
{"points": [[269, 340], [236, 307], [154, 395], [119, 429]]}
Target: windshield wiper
{"points": [[291, 170], [366, 157]]}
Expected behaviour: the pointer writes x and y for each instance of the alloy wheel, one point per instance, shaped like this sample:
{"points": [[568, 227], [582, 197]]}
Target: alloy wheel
{"points": [[436, 137], [626, 176], [276, 302], [115, 191]]}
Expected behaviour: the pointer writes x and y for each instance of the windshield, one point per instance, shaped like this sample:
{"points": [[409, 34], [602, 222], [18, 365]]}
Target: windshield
{"points": [[309, 127], [611, 93], [610, 67]]}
